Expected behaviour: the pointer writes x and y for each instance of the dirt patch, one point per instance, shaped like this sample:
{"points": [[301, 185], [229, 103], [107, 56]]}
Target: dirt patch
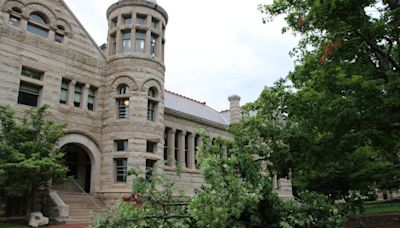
{"points": [[374, 221]]}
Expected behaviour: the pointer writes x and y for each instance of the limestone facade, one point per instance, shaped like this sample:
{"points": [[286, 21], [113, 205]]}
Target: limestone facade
{"points": [[112, 98]]}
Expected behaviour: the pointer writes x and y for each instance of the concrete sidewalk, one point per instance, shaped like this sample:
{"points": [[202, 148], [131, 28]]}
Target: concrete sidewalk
{"points": [[70, 226]]}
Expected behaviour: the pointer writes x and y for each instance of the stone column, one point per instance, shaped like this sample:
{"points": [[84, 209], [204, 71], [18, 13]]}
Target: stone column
{"points": [[24, 22], [133, 38], [181, 152], [85, 94], [171, 147], [234, 103], [71, 93], [191, 151], [118, 41], [52, 33], [147, 42]]}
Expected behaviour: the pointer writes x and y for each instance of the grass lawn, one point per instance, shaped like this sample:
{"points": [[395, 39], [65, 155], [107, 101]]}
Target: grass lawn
{"points": [[381, 207], [11, 225]]}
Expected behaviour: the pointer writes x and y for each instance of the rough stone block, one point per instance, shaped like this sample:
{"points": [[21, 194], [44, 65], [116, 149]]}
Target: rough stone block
{"points": [[37, 219]]}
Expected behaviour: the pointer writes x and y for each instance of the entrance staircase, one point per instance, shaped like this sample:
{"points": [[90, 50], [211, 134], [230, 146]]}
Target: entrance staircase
{"points": [[82, 206]]}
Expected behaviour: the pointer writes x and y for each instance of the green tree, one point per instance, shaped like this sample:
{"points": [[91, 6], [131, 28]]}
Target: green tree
{"points": [[341, 110], [29, 154]]}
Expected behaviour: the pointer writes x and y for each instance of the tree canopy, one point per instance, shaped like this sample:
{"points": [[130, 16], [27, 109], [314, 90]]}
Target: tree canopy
{"points": [[340, 106], [29, 154]]}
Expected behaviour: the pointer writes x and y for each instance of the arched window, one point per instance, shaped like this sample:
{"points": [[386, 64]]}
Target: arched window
{"points": [[15, 17], [123, 89], [38, 24], [123, 101], [152, 104], [38, 18]]}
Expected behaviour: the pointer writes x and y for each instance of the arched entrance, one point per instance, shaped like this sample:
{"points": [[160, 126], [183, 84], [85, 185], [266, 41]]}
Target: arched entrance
{"points": [[86, 146], [78, 162]]}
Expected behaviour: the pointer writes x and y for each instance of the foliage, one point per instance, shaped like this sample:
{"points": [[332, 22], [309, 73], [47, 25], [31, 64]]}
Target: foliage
{"points": [[29, 154], [153, 203], [339, 108]]}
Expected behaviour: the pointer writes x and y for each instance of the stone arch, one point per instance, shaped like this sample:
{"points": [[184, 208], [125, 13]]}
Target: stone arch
{"points": [[124, 79], [152, 83], [39, 7], [13, 3], [92, 150], [66, 25]]}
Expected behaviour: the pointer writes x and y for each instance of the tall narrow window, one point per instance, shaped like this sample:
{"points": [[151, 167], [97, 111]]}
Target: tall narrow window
{"points": [[141, 19], [114, 22], [91, 98], [123, 108], [187, 150], [149, 168], [154, 23], [166, 144], [121, 167], [126, 42], [38, 25], [78, 95], [64, 91], [140, 40], [152, 104], [153, 45], [28, 94]]}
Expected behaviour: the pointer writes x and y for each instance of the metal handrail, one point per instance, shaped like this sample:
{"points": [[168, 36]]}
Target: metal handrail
{"points": [[84, 192]]}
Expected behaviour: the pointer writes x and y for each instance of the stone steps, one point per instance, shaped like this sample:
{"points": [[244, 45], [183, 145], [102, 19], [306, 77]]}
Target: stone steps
{"points": [[81, 208]]}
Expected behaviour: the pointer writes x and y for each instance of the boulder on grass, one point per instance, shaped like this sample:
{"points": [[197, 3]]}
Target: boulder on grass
{"points": [[37, 219]]}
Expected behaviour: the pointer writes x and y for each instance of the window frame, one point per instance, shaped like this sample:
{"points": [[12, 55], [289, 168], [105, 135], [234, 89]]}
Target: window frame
{"points": [[91, 99], [65, 90], [121, 170], [121, 145], [27, 93], [140, 41], [78, 93], [38, 27]]}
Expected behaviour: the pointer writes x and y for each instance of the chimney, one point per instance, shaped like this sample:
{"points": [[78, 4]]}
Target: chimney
{"points": [[234, 109]]}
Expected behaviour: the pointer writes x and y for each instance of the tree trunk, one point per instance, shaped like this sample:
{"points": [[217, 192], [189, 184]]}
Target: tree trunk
{"points": [[29, 205]]}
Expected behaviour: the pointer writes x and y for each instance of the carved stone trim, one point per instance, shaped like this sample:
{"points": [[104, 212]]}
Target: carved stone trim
{"points": [[40, 43]]}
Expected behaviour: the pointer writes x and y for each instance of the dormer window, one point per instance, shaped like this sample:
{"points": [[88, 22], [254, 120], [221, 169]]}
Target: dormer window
{"points": [[38, 24]]}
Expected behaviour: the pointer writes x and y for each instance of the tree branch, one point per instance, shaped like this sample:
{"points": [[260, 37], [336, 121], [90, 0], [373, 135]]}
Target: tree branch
{"points": [[375, 48]]}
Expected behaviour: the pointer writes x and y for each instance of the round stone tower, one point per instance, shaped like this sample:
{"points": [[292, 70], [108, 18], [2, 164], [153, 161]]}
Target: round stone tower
{"points": [[133, 120]]}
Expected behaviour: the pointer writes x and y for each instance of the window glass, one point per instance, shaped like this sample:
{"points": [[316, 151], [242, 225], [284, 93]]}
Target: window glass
{"points": [[78, 96], [15, 21], [28, 94], [30, 73], [154, 23], [121, 165], [166, 144], [141, 19], [152, 92], [127, 20], [151, 147], [121, 145], [37, 30], [149, 168], [151, 108], [153, 46], [91, 98], [123, 89], [123, 108], [64, 91], [126, 42], [140, 40], [37, 18], [58, 38]]}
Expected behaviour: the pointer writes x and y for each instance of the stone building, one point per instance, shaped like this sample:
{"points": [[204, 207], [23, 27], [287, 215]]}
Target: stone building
{"points": [[112, 97]]}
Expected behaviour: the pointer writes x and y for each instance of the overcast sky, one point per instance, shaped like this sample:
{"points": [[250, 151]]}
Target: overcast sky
{"points": [[214, 48]]}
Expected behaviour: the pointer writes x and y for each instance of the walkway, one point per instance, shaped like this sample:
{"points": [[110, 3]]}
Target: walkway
{"points": [[70, 226]]}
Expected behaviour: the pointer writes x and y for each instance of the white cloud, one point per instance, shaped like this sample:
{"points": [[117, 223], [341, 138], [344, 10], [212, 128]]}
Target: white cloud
{"points": [[214, 48]]}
